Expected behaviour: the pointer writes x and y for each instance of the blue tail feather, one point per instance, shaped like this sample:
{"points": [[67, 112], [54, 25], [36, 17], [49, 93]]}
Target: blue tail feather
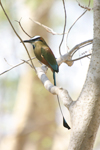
{"points": [[65, 124], [54, 78], [64, 121]]}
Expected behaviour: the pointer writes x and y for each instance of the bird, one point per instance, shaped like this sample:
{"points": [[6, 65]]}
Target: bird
{"points": [[45, 55]]}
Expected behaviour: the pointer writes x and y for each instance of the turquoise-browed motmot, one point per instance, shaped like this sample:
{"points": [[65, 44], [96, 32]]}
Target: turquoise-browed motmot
{"points": [[44, 54]]}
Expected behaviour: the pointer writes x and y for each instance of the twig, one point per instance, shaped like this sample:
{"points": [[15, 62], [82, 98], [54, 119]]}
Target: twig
{"points": [[16, 66], [75, 22], [27, 62], [19, 22], [62, 58], [73, 25], [46, 28], [80, 57], [88, 57], [17, 34], [78, 46], [67, 58], [87, 8], [7, 62], [64, 27]]}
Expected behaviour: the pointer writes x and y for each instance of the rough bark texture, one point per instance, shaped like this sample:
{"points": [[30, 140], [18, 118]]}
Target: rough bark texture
{"points": [[85, 112]]}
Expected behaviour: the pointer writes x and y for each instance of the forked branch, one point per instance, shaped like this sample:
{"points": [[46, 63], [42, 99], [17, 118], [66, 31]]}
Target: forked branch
{"points": [[17, 34], [85, 7], [66, 58], [19, 22]]}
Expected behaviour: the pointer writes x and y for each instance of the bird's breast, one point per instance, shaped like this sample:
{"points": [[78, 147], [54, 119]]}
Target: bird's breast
{"points": [[37, 52]]}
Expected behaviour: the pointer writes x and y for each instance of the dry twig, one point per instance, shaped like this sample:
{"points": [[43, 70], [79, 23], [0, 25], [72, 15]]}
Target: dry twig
{"points": [[64, 27], [79, 46], [19, 22], [17, 34], [63, 58], [75, 23], [45, 27], [27, 62], [15, 66], [85, 7], [80, 57]]}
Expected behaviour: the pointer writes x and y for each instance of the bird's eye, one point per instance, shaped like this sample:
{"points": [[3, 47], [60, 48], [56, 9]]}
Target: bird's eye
{"points": [[33, 46]]}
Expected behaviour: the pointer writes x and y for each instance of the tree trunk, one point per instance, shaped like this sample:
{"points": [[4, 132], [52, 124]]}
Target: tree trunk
{"points": [[85, 112]]}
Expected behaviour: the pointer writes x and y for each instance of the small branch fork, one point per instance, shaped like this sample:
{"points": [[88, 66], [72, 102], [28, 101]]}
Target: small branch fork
{"points": [[19, 22], [67, 58], [48, 29], [85, 7], [76, 21], [16, 33]]}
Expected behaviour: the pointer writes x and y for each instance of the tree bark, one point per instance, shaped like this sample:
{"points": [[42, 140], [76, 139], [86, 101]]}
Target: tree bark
{"points": [[85, 112]]}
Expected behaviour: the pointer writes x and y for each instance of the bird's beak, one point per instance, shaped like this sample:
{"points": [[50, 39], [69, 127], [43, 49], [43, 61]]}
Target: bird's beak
{"points": [[26, 41]]}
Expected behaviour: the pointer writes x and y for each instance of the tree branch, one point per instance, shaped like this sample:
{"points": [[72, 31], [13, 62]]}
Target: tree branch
{"points": [[48, 29], [66, 58], [75, 22], [80, 57], [62, 93], [16, 34], [85, 7], [15, 66], [19, 22], [64, 27], [81, 45]]}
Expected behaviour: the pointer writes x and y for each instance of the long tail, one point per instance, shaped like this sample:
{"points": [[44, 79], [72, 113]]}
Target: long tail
{"points": [[54, 78], [64, 121]]}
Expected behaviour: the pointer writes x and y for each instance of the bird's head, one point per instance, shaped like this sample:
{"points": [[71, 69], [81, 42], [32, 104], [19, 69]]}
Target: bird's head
{"points": [[34, 40]]}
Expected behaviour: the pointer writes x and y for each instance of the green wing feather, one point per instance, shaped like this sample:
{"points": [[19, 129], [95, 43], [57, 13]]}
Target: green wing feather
{"points": [[49, 57]]}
